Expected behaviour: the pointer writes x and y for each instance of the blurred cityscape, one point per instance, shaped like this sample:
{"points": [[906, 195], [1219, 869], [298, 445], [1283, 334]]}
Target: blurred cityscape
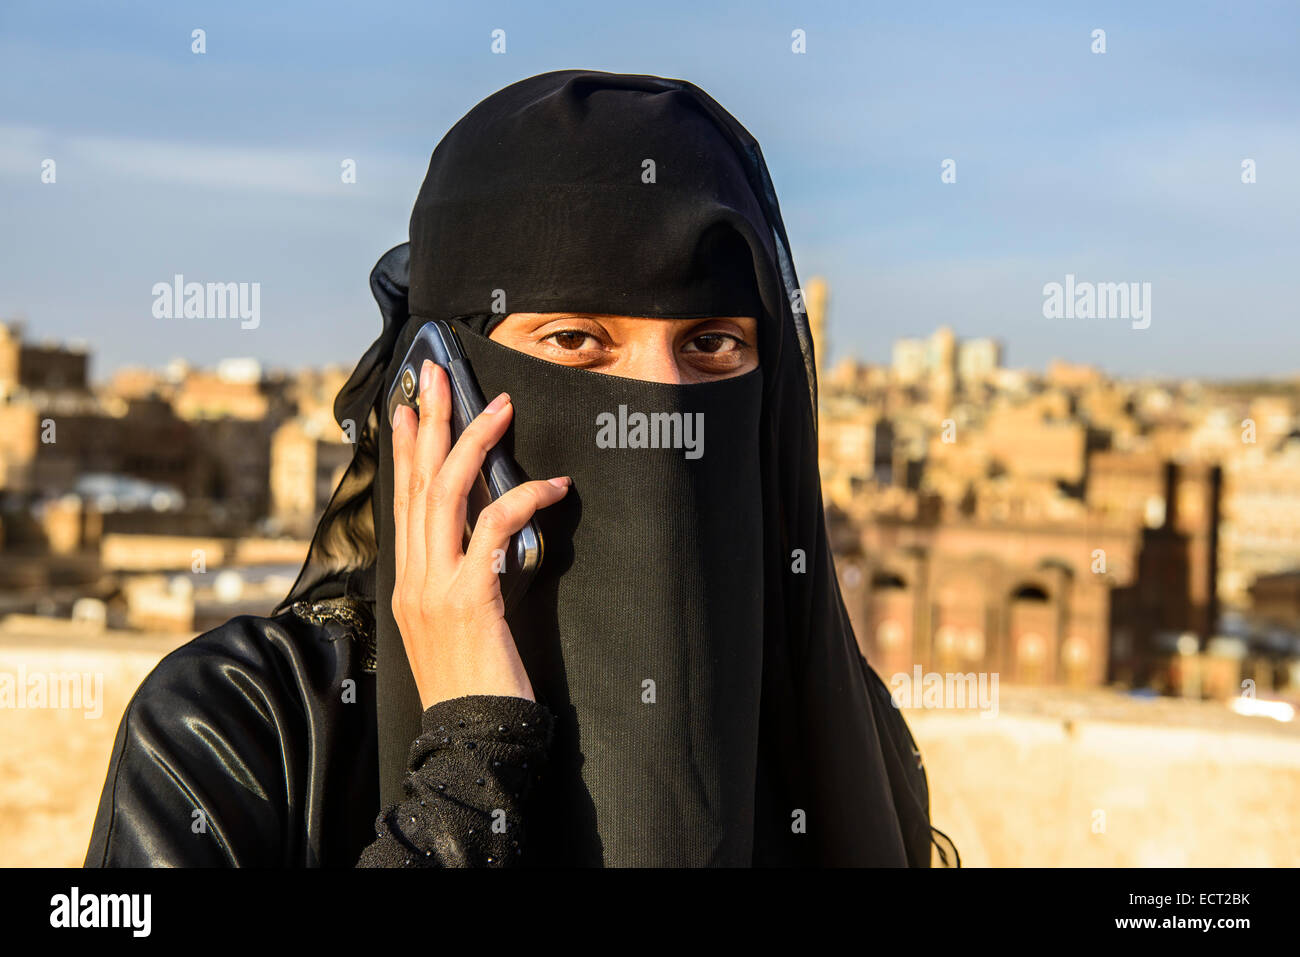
{"points": [[161, 500], [1063, 527], [1123, 555], [1054, 527]]}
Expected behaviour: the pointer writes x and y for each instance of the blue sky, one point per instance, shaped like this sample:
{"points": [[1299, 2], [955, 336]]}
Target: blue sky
{"points": [[1124, 166]]}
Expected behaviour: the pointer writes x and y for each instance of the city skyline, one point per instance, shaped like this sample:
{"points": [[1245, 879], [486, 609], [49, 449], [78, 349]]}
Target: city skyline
{"points": [[241, 367]]}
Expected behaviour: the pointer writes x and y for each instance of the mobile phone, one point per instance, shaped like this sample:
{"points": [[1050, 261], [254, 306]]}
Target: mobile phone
{"points": [[437, 342]]}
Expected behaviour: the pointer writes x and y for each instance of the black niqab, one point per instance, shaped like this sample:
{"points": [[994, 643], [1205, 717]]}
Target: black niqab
{"points": [[762, 736]]}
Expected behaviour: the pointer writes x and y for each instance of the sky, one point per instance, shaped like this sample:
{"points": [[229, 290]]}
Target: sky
{"points": [[224, 166]]}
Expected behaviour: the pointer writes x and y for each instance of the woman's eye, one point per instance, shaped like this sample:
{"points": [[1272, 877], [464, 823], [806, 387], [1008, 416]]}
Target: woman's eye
{"points": [[713, 343], [569, 340]]}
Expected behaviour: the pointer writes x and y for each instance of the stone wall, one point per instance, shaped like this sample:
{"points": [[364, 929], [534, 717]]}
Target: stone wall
{"points": [[1178, 783]]}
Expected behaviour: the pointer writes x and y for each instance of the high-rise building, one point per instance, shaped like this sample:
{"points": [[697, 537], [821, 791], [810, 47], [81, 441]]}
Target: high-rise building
{"points": [[977, 360], [910, 360], [944, 362]]}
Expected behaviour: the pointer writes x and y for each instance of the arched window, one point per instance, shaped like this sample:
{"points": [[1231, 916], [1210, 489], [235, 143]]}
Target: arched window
{"points": [[882, 580], [1029, 592]]}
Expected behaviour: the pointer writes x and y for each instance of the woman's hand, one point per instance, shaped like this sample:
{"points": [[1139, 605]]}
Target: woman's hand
{"points": [[447, 601]]}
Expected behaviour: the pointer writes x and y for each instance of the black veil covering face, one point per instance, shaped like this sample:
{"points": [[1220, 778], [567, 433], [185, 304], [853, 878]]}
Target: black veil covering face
{"points": [[686, 628]]}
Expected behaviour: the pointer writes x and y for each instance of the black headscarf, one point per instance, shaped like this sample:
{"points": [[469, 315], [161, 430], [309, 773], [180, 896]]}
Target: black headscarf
{"points": [[686, 627]]}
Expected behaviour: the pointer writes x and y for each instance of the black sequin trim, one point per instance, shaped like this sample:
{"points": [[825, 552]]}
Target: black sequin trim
{"points": [[343, 617]]}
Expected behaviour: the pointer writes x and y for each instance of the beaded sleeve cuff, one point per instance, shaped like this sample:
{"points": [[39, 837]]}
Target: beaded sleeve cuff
{"points": [[470, 773]]}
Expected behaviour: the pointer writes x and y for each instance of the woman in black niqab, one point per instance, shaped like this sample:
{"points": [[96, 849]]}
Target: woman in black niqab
{"points": [[770, 741], [686, 630]]}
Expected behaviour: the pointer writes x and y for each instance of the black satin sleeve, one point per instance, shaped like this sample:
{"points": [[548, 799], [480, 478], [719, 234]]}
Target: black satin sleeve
{"points": [[251, 745], [471, 773]]}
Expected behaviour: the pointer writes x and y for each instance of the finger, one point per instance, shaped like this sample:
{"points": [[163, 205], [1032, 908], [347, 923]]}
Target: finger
{"points": [[435, 415], [506, 516], [461, 469], [404, 425], [430, 449]]}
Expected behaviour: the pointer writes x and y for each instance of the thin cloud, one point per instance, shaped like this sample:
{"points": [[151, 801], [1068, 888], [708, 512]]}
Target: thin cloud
{"points": [[206, 165]]}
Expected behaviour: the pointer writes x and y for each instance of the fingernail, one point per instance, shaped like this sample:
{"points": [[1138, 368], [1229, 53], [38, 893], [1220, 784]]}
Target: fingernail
{"points": [[426, 375], [560, 482], [397, 415], [497, 404]]}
